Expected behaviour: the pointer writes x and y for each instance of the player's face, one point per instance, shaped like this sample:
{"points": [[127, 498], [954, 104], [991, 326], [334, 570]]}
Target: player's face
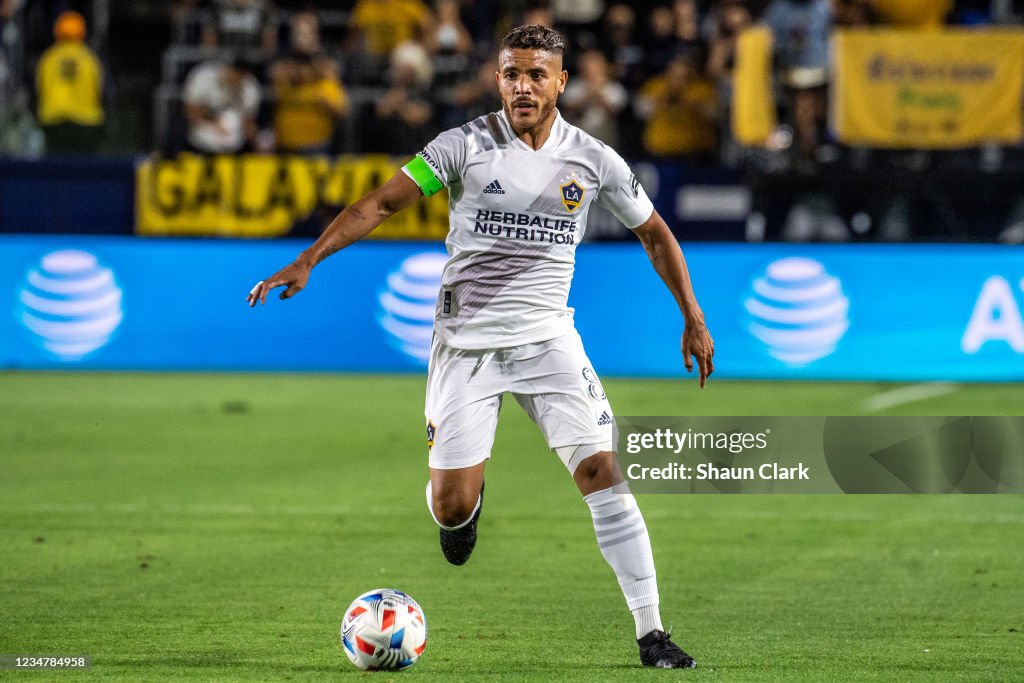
{"points": [[530, 82]]}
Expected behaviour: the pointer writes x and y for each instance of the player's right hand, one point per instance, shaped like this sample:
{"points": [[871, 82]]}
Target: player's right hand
{"points": [[293, 276]]}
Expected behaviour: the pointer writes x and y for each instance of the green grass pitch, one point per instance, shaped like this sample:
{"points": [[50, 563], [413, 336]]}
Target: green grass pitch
{"points": [[214, 527]]}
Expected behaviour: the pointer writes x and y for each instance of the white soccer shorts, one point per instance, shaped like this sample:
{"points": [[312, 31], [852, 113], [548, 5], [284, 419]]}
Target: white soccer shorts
{"points": [[552, 380]]}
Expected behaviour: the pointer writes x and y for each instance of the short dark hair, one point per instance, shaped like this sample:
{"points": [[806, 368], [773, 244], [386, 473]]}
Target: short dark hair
{"points": [[534, 37]]}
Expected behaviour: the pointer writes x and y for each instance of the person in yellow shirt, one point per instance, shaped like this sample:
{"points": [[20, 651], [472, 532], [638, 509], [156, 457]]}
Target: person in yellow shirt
{"points": [[385, 24], [680, 109], [69, 84], [376, 28], [310, 100]]}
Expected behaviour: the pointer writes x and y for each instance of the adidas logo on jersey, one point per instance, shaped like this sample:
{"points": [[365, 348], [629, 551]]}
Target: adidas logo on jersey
{"points": [[605, 419], [494, 188]]}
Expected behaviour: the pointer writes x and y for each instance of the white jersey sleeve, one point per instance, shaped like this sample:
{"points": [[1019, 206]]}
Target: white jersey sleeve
{"points": [[621, 192], [440, 163]]}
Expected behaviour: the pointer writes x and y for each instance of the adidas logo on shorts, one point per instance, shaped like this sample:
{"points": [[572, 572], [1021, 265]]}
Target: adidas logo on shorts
{"points": [[494, 188], [605, 419]]}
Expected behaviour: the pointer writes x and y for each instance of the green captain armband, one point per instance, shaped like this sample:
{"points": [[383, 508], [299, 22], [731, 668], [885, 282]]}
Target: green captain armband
{"points": [[421, 174]]}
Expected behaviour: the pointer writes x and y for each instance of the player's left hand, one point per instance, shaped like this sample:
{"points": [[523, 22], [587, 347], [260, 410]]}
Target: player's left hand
{"points": [[697, 343]]}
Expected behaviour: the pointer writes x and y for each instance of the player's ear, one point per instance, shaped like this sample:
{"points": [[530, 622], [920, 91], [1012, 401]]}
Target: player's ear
{"points": [[563, 78]]}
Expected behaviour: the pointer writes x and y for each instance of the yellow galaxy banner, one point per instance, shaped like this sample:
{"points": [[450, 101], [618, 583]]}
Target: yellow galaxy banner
{"points": [[270, 196], [927, 89]]}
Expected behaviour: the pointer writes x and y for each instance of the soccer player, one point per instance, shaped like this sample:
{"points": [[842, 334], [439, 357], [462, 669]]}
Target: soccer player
{"points": [[520, 182]]}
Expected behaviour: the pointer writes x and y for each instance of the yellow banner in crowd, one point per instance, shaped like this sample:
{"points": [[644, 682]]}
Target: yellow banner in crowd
{"points": [[270, 196], [927, 89], [753, 102]]}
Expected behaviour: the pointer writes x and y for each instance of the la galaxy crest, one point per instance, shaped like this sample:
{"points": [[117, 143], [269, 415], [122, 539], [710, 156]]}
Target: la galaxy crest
{"points": [[431, 432], [572, 193]]}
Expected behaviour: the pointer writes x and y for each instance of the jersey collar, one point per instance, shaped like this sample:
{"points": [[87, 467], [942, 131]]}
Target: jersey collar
{"points": [[557, 131]]}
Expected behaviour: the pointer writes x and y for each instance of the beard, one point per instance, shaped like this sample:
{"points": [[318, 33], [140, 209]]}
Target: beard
{"points": [[531, 119]]}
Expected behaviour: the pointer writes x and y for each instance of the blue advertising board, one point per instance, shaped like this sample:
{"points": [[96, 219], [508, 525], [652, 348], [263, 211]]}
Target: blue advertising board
{"points": [[887, 312]]}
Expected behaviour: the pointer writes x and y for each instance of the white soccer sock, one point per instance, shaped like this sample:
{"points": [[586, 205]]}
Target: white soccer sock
{"points": [[430, 506], [623, 540], [647, 619]]}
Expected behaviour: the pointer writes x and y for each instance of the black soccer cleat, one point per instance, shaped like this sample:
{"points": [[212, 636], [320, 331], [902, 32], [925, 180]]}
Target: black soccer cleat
{"points": [[658, 650], [458, 545]]}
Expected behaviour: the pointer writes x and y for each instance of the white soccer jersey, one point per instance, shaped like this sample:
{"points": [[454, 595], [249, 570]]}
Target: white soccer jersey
{"points": [[516, 216]]}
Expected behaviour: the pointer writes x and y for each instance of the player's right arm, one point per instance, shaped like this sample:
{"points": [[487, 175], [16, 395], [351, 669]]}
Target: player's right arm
{"points": [[355, 222]]}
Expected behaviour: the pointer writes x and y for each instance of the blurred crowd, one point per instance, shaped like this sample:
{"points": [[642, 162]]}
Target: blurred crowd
{"points": [[652, 79]]}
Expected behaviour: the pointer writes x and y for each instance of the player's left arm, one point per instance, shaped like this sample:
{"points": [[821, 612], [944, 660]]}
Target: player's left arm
{"points": [[667, 259]]}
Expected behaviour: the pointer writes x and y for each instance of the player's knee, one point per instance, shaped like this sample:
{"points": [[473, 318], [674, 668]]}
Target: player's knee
{"points": [[596, 465], [451, 508], [599, 471]]}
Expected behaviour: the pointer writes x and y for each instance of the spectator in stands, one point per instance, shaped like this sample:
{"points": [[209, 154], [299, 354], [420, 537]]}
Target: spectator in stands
{"points": [[309, 100], [577, 12], [19, 134], [11, 51], [687, 25], [922, 14], [69, 82], [473, 97], [538, 12], [377, 27], [620, 43], [680, 109], [801, 31], [405, 112], [563, 15], [221, 104], [732, 18], [242, 24], [593, 100], [304, 33], [449, 43], [446, 34], [661, 39]]}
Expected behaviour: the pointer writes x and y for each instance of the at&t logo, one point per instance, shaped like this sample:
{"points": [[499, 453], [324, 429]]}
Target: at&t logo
{"points": [[798, 311], [407, 305], [70, 304]]}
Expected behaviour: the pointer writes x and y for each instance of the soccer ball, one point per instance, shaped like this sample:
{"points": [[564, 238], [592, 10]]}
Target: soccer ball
{"points": [[384, 629]]}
